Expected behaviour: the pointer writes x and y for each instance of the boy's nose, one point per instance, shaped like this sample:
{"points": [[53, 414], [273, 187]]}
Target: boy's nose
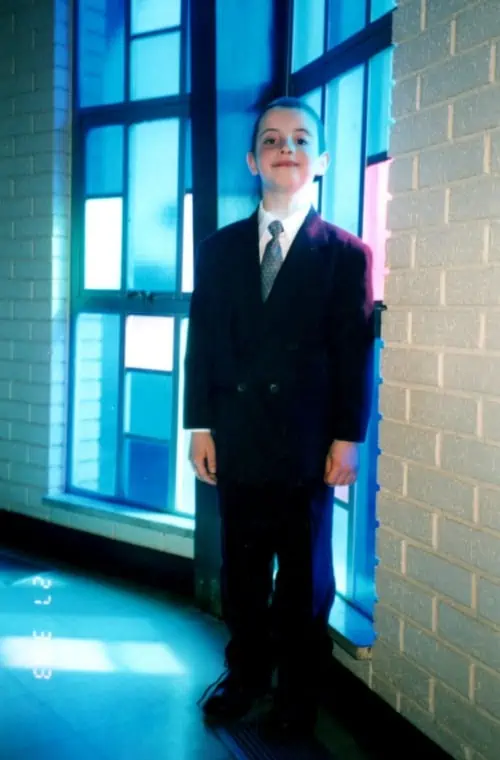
{"points": [[288, 145]]}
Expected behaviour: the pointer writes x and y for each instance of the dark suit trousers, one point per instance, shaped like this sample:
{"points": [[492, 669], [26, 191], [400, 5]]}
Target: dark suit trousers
{"points": [[286, 627]]}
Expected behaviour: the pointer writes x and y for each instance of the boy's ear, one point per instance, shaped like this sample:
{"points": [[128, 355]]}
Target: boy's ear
{"points": [[322, 164], [252, 164]]}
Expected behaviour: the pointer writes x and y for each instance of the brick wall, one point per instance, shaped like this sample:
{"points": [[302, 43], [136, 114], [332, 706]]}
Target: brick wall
{"points": [[34, 234], [437, 660]]}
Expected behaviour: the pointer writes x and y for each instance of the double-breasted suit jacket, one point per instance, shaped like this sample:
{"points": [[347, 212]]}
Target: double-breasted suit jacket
{"points": [[278, 381]]}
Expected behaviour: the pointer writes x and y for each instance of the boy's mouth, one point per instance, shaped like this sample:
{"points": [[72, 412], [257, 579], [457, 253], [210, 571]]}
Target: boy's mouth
{"points": [[286, 163]]}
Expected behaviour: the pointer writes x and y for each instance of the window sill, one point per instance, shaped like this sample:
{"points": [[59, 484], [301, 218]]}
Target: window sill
{"points": [[172, 534], [351, 630]]}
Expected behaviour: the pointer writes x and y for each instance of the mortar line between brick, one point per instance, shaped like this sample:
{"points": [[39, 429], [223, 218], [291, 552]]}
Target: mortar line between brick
{"points": [[423, 15], [473, 591], [475, 505], [453, 37], [493, 58]]}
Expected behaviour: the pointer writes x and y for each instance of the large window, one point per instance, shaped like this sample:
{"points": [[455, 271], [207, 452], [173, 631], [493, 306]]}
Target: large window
{"points": [[132, 254], [341, 65]]}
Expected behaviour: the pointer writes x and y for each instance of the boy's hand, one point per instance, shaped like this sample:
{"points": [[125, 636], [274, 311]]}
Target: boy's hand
{"points": [[202, 457], [342, 464]]}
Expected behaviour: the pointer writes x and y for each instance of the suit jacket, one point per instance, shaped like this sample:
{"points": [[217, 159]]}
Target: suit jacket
{"points": [[278, 381]]}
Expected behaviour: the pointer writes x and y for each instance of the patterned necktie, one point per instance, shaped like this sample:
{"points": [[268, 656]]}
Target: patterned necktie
{"points": [[272, 259]]}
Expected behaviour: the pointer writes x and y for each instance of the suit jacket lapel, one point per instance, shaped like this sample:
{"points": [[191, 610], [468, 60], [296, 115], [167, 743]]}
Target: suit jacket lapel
{"points": [[249, 263], [290, 278]]}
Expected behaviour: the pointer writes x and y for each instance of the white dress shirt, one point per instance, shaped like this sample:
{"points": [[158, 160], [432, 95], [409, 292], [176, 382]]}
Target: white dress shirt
{"points": [[291, 225]]}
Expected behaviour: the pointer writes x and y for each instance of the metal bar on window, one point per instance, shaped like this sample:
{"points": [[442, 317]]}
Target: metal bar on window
{"points": [[156, 32], [137, 110], [355, 51]]}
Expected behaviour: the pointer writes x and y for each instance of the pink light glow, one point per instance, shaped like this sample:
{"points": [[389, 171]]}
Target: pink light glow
{"points": [[375, 221]]}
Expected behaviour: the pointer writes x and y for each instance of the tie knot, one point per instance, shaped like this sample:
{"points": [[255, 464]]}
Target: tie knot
{"points": [[275, 228]]}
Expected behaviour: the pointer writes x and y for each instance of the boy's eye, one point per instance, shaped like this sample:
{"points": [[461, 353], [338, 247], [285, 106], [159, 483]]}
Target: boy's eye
{"points": [[269, 141], [302, 141]]}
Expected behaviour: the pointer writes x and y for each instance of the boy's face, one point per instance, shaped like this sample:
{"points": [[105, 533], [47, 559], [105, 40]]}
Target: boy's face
{"points": [[287, 156]]}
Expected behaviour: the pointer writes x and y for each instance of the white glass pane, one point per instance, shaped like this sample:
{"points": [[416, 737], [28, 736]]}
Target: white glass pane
{"points": [[103, 244], [187, 246], [151, 15], [342, 493], [149, 343], [185, 479], [340, 547]]}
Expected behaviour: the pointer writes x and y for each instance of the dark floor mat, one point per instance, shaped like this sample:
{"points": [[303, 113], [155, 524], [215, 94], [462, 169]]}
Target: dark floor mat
{"points": [[246, 743]]}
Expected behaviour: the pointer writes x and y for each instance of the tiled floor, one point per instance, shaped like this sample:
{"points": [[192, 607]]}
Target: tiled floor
{"points": [[90, 670]]}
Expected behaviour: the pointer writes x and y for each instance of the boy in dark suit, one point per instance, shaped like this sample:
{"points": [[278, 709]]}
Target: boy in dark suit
{"points": [[276, 397]]}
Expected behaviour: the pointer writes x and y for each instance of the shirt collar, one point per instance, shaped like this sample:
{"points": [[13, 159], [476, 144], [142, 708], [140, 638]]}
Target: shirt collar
{"points": [[291, 224]]}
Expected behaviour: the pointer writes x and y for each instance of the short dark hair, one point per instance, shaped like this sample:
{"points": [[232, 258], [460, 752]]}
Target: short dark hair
{"points": [[295, 103]]}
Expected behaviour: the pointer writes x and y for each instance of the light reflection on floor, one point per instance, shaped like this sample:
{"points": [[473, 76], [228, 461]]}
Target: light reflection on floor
{"points": [[89, 670]]}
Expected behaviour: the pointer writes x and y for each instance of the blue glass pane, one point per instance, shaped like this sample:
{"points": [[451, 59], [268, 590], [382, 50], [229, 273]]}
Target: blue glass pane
{"points": [[148, 405], [101, 52], [185, 479], [146, 472], [153, 215], [313, 99], [379, 103], [187, 59], [308, 32], [104, 161], [151, 15], [380, 7], [340, 548], [95, 392], [187, 246], [155, 66], [149, 343], [103, 244], [188, 176], [345, 18], [344, 120]]}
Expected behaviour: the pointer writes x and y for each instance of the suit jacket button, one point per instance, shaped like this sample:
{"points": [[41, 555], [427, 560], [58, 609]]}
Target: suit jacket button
{"points": [[274, 388], [241, 387]]}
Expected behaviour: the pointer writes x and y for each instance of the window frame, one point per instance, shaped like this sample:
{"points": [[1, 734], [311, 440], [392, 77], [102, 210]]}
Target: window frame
{"points": [[121, 302]]}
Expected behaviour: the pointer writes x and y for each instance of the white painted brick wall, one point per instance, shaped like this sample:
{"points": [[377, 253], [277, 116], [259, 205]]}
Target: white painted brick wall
{"points": [[34, 247], [437, 659]]}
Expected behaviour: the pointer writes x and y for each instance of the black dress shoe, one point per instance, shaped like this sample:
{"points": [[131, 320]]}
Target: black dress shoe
{"points": [[230, 698]]}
